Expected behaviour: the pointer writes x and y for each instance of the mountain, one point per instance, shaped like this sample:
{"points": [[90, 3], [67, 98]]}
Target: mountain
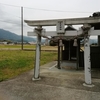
{"points": [[93, 41], [7, 35]]}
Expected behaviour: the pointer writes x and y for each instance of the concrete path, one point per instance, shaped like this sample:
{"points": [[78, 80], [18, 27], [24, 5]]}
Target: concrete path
{"points": [[55, 84]]}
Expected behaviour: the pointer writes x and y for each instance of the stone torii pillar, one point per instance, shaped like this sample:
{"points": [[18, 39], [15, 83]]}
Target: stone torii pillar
{"points": [[38, 30], [87, 62]]}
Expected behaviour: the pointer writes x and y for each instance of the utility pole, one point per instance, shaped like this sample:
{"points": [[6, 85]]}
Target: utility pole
{"points": [[22, 28]]}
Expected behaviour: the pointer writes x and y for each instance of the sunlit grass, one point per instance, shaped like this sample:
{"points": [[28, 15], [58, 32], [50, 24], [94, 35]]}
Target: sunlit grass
{"points": [[13, 63]]}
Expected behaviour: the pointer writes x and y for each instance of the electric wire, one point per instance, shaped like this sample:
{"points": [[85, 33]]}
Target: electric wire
{"points": [[52, 10], [9, 22]]}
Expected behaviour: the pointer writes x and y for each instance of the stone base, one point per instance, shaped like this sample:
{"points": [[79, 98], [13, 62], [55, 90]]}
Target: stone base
{"points": [[36, 79], [88, 85]]}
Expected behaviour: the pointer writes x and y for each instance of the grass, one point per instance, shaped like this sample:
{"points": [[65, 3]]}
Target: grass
{"points": [[15, 62], [28, 47], [17, 46]]}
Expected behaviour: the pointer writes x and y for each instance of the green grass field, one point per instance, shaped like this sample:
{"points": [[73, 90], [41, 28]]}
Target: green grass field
{"points": [[15, 62], [27, 47], [17, 46]]}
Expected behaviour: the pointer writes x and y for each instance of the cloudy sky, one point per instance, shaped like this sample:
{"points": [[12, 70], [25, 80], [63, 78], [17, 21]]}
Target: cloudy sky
{"points": [[10, 11]]}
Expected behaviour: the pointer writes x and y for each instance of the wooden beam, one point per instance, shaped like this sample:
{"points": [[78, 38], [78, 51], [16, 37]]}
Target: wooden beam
{"points": [[71, 21]]}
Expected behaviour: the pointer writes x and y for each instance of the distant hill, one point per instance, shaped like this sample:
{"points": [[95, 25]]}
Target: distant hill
{"points": [[7, 35], [93, 41]]}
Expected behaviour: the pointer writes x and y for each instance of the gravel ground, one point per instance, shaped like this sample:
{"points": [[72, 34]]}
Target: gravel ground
{"points": [[55, 84]]}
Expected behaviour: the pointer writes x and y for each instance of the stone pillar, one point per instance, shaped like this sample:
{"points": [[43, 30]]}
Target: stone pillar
{"points": [[37, 57], [58, 55], [87, 62]]}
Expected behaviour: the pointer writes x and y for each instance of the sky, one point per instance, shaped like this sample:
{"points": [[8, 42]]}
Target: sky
{"points": [[10, 12]]}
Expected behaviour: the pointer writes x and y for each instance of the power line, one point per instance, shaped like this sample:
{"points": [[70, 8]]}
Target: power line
{"points": [[9, 5], [15, 23], [57, 10], [46, 9], [12, 14], [9, 22]]}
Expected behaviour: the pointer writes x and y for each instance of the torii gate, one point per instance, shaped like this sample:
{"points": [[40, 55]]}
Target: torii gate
{"points": [[60, 23]]}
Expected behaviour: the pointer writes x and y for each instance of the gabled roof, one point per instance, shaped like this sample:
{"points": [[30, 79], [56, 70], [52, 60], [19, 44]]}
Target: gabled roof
{"points": [[69, 28]]}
